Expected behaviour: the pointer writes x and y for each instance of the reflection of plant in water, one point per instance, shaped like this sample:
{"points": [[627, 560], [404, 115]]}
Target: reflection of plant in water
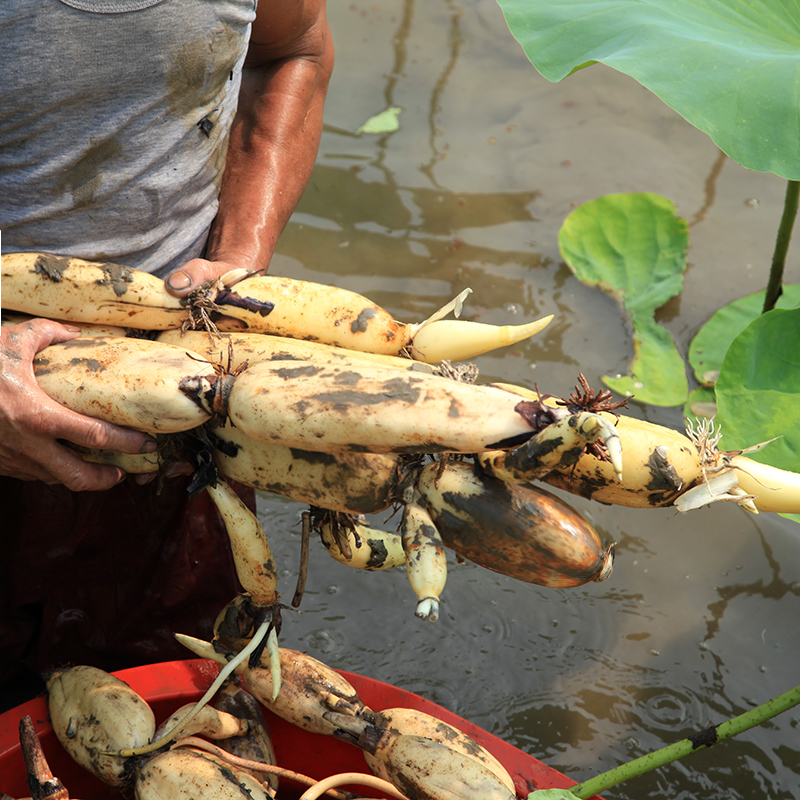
{"points": [[400, 41], [368, 221], [454, 40], [777, 589], [393, 77], [709, 190], [402, 230]]}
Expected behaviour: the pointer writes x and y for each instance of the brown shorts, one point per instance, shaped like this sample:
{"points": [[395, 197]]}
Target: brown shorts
{"points": [[106, 578]]}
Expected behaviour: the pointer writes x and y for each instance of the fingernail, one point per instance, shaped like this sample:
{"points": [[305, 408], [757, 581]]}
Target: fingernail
{"points": [[72, 329], [150, 446], [179, 280], [144, 477]]}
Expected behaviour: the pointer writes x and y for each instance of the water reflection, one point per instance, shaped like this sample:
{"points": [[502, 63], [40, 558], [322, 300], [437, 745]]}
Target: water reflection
{"points": [[417, 230], [710, 190], [400, 46], [777, 589], [699, 621]]}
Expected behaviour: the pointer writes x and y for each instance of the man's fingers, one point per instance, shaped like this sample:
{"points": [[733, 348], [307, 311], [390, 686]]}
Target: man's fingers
{"points": [[28, 338], [98, 435], [41, 457], [52, 463], [198, 271], [82, 476], [56, 332], [194, 273]]}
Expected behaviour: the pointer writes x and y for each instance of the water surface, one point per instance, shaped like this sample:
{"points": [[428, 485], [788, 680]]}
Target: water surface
{"points": [[699, 621]]}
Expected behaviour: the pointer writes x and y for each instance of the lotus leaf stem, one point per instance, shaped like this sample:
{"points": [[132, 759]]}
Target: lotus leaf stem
{"points": [[700, 741], [775, 282]]}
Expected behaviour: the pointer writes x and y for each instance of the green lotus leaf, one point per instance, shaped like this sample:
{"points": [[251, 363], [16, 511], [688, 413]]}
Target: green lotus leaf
{"points": [[758, 391], [633, 246], [708, 348], [657, 373], [387, 121], [700, 405], [730, 67]]}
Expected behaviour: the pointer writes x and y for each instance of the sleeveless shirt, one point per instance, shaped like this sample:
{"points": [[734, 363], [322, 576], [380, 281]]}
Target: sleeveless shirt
{"points": [[114, 123]]}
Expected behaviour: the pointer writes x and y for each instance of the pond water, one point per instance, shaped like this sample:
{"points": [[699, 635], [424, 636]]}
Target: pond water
{"points": [[699, 621]]}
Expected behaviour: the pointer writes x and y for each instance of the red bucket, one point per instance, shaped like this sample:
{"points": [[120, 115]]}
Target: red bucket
{"points": [[169, 685]]}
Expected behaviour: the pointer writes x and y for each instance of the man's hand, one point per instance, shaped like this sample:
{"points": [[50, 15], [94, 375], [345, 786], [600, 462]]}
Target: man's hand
{"points": [[196, 272], [31, 423]]}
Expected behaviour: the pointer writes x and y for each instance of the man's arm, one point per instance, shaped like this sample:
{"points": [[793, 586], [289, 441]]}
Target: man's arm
{"points": [[273, 142], [273, 145]]}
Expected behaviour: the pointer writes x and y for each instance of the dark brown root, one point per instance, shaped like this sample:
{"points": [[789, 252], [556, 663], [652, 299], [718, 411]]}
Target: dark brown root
{"points": [[302, 573], [42, 784]]}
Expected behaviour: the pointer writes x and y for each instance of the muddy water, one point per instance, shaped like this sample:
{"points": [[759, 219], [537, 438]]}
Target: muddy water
{"points": [[699, 621]]}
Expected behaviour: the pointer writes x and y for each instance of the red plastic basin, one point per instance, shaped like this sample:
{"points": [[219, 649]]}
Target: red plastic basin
{"points": [[171, 684]]}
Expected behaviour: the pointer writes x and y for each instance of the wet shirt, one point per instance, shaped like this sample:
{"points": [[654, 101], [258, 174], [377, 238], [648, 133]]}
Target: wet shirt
{"points": [[114, 121]]}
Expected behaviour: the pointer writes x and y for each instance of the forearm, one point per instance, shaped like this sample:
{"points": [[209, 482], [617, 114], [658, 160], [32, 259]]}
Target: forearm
{"points": [[273, 146]]}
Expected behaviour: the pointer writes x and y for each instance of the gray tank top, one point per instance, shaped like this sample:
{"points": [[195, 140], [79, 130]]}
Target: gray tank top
{"points": [[114, 121]]}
